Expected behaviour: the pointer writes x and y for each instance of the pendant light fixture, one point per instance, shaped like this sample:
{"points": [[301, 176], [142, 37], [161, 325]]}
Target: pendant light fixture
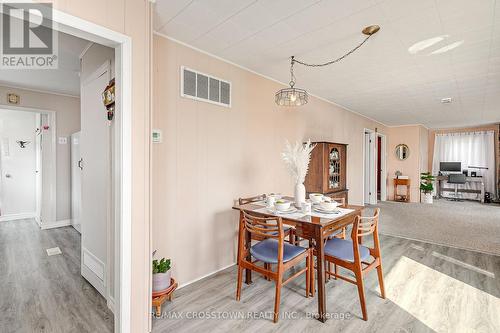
{"points": [[294, 96]]}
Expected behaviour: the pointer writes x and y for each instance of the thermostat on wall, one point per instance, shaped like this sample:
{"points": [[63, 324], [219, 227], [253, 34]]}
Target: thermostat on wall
{"points": [[156, 136]]}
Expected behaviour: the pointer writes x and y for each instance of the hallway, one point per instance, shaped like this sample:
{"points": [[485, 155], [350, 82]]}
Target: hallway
{"points": [[46, 294]]}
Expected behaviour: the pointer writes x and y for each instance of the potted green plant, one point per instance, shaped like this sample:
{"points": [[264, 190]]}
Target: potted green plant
{"points": [[161, 274], [426, 187]]}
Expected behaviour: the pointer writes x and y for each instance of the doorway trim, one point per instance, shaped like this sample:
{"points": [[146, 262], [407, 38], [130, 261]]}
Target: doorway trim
{"points": [[383, 165], [52, 220], [371, 165], [122, 45]]}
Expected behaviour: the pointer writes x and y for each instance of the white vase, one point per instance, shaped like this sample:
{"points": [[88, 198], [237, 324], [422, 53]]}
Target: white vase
{"points": [[427, 198], [300, 194]]}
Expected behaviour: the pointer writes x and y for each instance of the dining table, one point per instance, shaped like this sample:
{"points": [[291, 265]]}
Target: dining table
{"points": [[314, 226]]}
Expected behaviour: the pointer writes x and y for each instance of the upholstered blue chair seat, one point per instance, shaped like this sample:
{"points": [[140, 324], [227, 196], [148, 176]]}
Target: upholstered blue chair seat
{"points": [[343, 249], [267, 251]]}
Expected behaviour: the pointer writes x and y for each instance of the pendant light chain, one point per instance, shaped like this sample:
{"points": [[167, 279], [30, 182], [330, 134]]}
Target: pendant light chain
{"points": [[292, 76], [294, 96], [333, 61]]}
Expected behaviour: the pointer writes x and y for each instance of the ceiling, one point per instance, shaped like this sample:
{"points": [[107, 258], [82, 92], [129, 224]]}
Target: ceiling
{"points": [[382, 80], [63, 80]]}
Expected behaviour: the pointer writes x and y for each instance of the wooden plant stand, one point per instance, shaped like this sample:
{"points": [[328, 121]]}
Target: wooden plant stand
{"points": [[159, 297], [402, 197]]}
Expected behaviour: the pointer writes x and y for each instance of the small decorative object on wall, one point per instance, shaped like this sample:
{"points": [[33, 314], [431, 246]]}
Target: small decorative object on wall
{"points": [[294, 96], [426, 187], [297, 159], [23, 144], [402, 152], [108, 98], [13, 98]]}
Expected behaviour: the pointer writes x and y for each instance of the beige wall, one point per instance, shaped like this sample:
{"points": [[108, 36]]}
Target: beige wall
{"points": [[132, 18], [415, 137], [212, 155], [67, 122]]}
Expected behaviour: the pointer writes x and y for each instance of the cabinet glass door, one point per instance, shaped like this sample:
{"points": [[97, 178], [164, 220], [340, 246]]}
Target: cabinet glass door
{"points": [[334, 169]]}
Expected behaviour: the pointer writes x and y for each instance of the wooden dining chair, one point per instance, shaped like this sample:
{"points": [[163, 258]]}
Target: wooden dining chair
{"points": [[289, 231], [351, 255], [271, 250]]}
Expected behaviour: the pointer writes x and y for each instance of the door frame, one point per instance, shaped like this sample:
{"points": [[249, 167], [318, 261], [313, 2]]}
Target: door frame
{"points": [[383, 165], [122, 44], [52, 219], [372, 170]]}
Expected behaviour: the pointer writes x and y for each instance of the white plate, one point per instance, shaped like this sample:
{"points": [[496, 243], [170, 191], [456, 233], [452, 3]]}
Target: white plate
{"points": [[292, 209], [321, 210]]}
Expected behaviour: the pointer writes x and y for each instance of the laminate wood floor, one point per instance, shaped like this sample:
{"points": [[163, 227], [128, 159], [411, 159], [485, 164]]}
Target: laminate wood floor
{"points": [[39, 293], [430, 288]]}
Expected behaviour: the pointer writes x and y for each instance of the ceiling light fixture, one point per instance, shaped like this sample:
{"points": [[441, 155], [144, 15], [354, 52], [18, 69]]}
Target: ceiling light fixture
{"points": [[294, 96]]}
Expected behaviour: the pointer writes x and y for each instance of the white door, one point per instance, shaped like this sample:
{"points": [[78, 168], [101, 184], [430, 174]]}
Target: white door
{"points": [[95, 203], [76, 182], [18, 161]]}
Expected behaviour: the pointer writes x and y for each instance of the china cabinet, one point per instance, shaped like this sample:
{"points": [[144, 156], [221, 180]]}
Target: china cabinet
{"points": [[327, 170]]}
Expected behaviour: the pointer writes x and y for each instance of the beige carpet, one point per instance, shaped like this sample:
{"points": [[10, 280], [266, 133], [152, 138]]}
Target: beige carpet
{"points": [[468, 225]]}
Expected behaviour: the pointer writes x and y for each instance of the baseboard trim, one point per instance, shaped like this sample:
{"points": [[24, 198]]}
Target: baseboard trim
{"points": [[94, 271], [56, 224], [22, 216], [205, 276]]}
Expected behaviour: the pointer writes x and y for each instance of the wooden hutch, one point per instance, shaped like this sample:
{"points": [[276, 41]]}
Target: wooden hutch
{"points": [[327, 170]]}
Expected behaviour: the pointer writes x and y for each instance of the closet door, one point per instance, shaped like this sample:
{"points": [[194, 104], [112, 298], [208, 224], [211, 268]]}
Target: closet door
{"points": [[95, 154]]}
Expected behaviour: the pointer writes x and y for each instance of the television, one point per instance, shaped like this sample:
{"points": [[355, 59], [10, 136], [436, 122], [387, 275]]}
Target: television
{"points": [[450, 166]]}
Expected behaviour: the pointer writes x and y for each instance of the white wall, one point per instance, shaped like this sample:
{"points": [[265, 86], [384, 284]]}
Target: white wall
{"points": [[67, 109], [17, 193]]}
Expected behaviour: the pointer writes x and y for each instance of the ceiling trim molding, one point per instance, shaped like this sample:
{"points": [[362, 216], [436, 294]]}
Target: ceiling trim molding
{"points": [[265, 76], [408, 125], [41, 91]]}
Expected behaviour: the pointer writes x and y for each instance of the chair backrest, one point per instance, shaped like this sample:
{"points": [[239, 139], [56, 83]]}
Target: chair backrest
{"points": [[267, 227], [365, 225], [456, 178], [244, 201]]}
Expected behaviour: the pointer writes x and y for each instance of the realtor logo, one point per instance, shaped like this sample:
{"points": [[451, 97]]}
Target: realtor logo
{"points": [[29, 40]]}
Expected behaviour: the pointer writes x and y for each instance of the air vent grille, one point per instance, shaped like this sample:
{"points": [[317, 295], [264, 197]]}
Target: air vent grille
{"points": [[206, 88]]}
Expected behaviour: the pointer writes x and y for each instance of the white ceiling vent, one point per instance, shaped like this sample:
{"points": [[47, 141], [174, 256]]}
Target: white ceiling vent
{"points": [[206, 88], [446, 100]]}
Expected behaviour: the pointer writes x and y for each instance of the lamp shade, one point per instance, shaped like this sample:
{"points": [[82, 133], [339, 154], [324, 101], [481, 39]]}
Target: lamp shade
{"points": [[291, 97]]}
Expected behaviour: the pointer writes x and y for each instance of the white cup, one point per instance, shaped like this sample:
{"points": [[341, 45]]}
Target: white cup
{"points": [[270, 201], [306, 207]]}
